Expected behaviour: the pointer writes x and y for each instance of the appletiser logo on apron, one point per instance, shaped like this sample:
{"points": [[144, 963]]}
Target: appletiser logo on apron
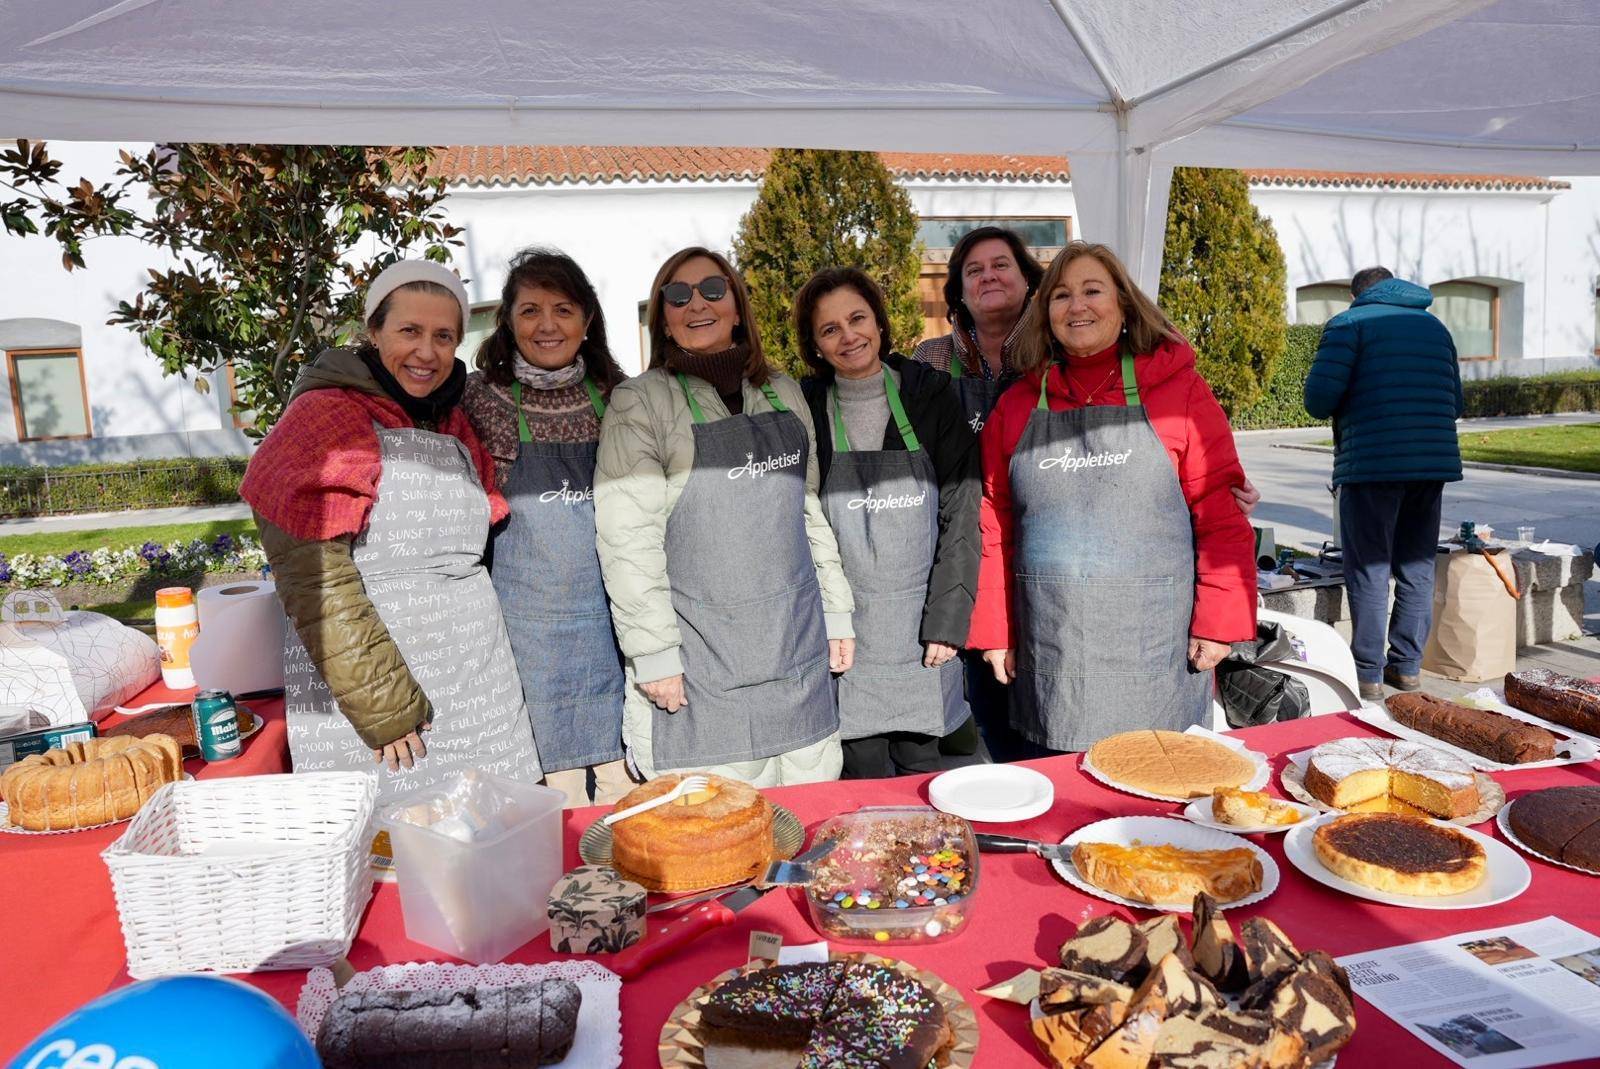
{"points": [[893, 501], [757, 468], [1067, 462], [567, 496]]}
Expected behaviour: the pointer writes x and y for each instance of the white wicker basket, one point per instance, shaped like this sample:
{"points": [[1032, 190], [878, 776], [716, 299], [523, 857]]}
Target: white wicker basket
{"points": [[245, 874]]}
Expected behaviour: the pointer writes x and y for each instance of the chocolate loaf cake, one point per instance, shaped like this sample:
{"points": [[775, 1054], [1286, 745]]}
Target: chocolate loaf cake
{"points": [[517, 1027], [1573, 703], [1561, 822], [1488, 734]]}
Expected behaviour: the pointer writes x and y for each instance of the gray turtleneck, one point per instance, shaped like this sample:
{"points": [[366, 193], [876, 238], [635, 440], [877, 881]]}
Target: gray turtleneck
{"points": [[865, 406]]}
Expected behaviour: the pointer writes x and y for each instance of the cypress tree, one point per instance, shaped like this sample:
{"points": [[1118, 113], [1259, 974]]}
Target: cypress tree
{"points": [[1223, 282], [816, 209]]}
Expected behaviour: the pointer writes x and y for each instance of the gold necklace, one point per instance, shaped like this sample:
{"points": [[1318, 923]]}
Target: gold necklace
{"points": [[1088, 398]]}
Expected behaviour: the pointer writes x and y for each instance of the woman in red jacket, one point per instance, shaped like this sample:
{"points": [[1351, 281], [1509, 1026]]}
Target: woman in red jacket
{"points": [[1116, 565]]}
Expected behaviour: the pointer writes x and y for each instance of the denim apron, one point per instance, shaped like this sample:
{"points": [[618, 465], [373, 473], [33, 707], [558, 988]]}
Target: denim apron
{"points": [[883, 505], [1103, 565], [421, 562], [547, 574], [744, 587], [978, 394]]}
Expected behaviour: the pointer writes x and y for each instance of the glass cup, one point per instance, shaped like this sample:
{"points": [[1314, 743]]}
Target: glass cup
{"points": [[1525, 534]]}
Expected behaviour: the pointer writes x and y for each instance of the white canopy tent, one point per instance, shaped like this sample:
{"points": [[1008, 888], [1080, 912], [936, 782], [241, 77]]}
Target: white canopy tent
{"points": [[1127, 88]]}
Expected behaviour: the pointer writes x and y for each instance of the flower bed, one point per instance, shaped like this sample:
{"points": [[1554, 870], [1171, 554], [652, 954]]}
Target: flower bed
{"points": [[120, 572]]}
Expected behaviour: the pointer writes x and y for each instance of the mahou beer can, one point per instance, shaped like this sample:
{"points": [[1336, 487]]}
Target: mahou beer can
{"points": [[216, 725]]}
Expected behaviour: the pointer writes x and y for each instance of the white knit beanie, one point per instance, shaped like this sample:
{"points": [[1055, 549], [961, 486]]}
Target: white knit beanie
{"points": [[402, 272]]}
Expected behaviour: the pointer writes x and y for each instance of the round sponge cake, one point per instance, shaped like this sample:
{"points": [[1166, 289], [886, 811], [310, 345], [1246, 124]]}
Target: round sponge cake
{"points": [[707, 838]]}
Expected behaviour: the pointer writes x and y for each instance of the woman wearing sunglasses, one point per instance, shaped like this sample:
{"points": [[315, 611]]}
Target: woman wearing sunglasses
{"points": [[727, 594], [900, 486]]}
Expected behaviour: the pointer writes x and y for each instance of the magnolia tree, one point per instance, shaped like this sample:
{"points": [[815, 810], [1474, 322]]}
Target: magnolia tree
{"points": [[819, 209], [1223, 282], [272, 246]]}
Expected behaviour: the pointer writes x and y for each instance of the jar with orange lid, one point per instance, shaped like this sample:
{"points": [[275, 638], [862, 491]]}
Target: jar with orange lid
{"points": [[177, 626]]}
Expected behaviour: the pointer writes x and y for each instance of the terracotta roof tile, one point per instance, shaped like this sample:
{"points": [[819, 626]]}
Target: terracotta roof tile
{"points": [[512, 165]]}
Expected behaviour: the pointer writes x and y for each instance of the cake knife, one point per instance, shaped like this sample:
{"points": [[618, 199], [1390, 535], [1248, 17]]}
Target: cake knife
{"points": [[714, 910], [1010, 844]]}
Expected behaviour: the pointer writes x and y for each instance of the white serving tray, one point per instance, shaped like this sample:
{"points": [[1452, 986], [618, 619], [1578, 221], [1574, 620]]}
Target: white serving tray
{"points": [[1262, 775], [1163, 831], [1507, 878], [1573, 750]]}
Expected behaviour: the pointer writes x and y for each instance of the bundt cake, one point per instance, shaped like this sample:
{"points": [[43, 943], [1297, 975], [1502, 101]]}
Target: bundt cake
{"points": [[716, 836], [96, 781]]}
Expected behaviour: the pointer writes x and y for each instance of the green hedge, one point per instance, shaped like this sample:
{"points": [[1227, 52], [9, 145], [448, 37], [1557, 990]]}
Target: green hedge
{"points": [[1282, 403], [111, 487], [1564, 391]]}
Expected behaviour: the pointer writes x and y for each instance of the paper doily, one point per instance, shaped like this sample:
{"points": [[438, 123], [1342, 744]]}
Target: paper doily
{"points": [[596, 1045], [1491, 796]]}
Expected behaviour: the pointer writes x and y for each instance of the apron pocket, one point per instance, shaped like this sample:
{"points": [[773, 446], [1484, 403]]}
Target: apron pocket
{"points": [[733, 645], [887, 628], [1086, 627]]}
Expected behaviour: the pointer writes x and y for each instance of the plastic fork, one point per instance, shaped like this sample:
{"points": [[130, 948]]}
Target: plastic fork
{"points": [[687, 785]]}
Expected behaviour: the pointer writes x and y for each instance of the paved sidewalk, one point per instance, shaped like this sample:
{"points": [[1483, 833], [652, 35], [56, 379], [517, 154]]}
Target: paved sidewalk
{"points": [[91, 521]]}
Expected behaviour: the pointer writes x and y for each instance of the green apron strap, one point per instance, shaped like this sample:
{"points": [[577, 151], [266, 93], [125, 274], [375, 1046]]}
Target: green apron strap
{"points": [[841, 441], [955, 367], [773, 398], [694, 406], [1044, 387], [907, 435], [522, 421], [595, 399], [1130, 384]]}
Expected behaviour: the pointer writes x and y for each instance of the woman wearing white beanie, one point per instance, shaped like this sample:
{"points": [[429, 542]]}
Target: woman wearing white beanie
{"points": [[374, 499]]}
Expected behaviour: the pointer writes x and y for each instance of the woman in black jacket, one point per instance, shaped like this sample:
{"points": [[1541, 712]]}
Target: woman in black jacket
{"points": [[900, 485]]}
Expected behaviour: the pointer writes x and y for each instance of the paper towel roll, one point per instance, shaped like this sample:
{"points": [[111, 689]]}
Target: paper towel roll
{"points": [[240, 648]]}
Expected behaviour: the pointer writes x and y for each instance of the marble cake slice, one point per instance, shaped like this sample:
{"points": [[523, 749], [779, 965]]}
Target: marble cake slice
{"points": [[1108, 947], [1267, 950], [1133, 1042], [1165, 937], [1066, 989], [1311, 1002], [1217, 955], [1065, 1038], [1180, 988], [1191, 1043]]}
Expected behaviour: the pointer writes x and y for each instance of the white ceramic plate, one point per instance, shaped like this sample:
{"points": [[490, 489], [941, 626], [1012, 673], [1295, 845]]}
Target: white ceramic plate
{"points": [[1508, 876], [1262, 775], [996, 794], [1199, 811], [1163, 831], [1571, 750], [1503, 819]]}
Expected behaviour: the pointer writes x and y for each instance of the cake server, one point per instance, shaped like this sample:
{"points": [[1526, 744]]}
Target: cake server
{"points": [[714, 909], [1010, 844]]}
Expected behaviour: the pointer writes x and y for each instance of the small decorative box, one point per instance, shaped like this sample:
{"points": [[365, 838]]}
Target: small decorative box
{"points": [[595, 911]]}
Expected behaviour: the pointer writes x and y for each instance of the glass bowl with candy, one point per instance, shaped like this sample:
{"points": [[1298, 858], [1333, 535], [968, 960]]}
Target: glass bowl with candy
{"points": [[900, 874]]}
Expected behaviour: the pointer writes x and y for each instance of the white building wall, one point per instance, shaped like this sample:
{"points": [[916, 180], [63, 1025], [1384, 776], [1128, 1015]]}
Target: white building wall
{"points": [[1543, 248], [135, 411], [1530, 245]]}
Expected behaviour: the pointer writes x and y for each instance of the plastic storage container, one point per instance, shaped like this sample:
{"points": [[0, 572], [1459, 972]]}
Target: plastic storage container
{"points": [[900, 874], [476, 859]]}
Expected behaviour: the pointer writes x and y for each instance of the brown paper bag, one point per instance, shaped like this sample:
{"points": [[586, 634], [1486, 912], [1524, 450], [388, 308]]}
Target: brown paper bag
{"points": [[1474, 635]]}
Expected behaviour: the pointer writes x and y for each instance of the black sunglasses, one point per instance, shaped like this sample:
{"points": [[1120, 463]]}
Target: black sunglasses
{"points": [[679, 294]]}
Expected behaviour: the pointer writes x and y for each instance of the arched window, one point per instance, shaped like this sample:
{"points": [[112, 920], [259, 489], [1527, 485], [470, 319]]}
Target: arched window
{"points": [[1471, 311], [1320, 301]]}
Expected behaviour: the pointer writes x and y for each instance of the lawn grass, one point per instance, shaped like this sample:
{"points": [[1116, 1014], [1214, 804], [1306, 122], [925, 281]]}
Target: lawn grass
{"points": [[1572, 447], [60, 543]]}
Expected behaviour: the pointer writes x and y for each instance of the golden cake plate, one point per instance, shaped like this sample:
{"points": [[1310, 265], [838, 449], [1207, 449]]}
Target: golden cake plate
{"points": [[682, 1047], [787, 836], [1491, 796]]}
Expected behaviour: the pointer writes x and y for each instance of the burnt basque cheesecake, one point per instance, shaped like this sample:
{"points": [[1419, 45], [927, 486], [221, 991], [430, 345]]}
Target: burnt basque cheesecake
{"points": [[1400, 854], [1485, 733], [1561, 823], [825, 1014]]}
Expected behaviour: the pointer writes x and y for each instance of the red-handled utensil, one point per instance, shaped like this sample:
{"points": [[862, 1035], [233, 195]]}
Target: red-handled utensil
{"points": [[663, 938]]}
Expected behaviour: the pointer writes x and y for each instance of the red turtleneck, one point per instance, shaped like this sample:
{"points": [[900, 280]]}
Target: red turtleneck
{"points": [[1096, 379]]}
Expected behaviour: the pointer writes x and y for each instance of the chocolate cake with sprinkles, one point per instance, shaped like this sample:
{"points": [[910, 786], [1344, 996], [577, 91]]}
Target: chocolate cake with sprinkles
{"points": [[862, 1015]]}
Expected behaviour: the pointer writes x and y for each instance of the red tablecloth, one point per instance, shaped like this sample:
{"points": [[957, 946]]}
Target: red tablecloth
{"points": [[63, 946]]}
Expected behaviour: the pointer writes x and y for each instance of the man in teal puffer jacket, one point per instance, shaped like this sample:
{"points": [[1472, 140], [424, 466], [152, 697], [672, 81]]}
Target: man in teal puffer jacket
{"points": [[1386, 373]]}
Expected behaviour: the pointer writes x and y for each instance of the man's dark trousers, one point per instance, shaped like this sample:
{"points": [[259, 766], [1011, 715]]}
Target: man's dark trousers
{"points": [[1389, 529]]}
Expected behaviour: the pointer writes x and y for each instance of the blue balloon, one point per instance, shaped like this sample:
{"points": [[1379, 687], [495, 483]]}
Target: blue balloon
{"points": [[176, 1022]]}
